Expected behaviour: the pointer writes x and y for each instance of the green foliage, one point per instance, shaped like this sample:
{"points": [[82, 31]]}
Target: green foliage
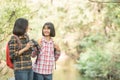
{"points": [[10, 11], [97, 60], [113, 13]]}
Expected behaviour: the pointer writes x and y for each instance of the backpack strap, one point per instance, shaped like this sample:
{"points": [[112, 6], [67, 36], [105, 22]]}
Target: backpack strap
{"points": [[54, 53], [18, 41], [39, 42]]}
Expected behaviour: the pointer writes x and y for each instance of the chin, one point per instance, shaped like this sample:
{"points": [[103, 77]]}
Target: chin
{"points": [[46, 35]]}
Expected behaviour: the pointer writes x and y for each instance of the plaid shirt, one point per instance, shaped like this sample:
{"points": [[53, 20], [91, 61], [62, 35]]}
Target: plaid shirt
{"points": [[46, 58], [23, 61]]}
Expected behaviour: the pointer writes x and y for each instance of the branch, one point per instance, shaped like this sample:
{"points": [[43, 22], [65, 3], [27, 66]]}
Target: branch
{"points": [[12, 14], [5, 37], [104, 1]]}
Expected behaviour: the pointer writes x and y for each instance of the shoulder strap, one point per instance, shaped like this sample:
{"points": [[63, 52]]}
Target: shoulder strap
{"points": [[18, 41]]}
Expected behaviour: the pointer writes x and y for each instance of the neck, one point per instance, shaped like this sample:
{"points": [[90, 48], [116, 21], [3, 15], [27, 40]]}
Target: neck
{"points": [[47, 38]]}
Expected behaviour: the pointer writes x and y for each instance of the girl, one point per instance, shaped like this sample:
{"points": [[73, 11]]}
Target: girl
{"points": [[21, 53], [49, 53]]}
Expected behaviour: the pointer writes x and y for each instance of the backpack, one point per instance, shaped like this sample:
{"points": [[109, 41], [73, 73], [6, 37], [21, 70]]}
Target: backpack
{"points": [[9, 61]]}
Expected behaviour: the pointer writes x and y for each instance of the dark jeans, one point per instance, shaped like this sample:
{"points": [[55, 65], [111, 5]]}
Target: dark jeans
{"points": [[23, 74], [38, 76]]}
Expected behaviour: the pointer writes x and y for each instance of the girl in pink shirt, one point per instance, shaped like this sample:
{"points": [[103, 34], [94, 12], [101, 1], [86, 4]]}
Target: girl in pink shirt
{"points": [[49, 53]]}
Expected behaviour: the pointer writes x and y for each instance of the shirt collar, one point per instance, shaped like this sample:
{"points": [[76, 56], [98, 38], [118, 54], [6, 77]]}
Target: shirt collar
{"points": [[24, 36], [44, 40]]}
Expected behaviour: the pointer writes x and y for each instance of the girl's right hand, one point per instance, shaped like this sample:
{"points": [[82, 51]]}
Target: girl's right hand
{"points": [[28, 45]]}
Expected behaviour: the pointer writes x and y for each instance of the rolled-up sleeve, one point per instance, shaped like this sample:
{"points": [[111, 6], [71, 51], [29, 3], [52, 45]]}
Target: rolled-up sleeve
{"points": [[13, 47]]}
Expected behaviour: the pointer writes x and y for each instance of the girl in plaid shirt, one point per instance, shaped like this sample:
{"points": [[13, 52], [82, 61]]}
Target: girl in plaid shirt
{"points": [[21, 54], [49, 53]]}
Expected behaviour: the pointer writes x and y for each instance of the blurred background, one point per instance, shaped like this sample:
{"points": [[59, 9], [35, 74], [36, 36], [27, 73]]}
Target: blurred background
{"points": [[87, 31]]}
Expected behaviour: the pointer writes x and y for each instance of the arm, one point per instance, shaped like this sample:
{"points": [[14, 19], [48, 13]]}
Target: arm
{"points": [[57, 55], [13, 46], [40, 42], [24, 49], [35, 52], [57, 52]]}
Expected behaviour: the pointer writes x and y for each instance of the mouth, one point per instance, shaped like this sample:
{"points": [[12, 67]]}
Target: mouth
{"points": [[46, 32]]}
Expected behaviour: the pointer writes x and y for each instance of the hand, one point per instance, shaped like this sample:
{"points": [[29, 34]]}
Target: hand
{"points": [[28, 45], [56, 47]]}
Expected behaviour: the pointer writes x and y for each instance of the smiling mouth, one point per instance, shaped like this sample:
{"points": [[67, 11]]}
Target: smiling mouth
{"points": [[46, 32]]}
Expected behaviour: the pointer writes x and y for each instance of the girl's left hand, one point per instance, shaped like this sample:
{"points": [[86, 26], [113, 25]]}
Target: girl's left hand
{"points": [[56, 47]]}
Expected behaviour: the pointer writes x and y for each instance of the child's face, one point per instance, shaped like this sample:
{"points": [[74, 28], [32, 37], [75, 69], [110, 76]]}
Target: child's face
{"points": [[46, 31]]}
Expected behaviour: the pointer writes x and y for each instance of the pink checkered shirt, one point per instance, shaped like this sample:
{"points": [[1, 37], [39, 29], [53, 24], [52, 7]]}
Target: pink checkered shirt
{"points": [[46, 58]]}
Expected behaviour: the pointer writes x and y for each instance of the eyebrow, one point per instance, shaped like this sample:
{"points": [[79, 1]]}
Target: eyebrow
{"points": [[47, 26]]}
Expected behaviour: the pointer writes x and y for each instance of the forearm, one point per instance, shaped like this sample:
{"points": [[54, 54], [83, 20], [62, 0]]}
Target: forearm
{"points": [[57, 55], [22, 51]]}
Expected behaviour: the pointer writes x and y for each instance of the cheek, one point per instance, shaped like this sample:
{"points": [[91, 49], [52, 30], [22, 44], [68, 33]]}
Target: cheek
{"points": [[49, 31]]}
